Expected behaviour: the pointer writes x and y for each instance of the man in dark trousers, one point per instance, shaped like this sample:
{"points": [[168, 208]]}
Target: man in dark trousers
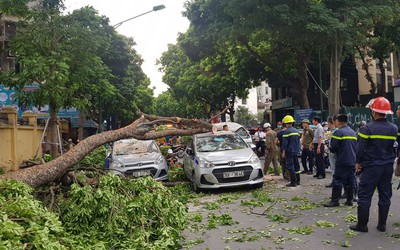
{"points": [[318, 147], [343, 143], [306, 141], [291, 147], [375, 158]]}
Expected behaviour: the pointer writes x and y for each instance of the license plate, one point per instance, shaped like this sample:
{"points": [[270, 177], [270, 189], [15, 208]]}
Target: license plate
{"points": [[141, 173], [233, 174]]}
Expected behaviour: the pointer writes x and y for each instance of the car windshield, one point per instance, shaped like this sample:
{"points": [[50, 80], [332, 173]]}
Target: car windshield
{"points": [[129, 147], [219, 142]]}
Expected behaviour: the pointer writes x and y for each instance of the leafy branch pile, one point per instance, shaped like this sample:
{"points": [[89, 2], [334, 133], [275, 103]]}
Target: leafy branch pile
{"points": [[117, 214]]}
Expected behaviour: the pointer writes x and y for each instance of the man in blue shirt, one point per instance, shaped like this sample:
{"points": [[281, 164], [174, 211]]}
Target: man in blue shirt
{"points": [[343, 143], [375, 158], [290, 150]]}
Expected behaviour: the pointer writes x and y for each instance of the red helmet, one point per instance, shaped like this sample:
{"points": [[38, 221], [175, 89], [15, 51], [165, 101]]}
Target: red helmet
{"points": [[381, 105]]}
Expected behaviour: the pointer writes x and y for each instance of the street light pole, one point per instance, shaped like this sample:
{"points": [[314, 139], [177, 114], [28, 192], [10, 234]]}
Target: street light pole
{"points": [[155, 8]]}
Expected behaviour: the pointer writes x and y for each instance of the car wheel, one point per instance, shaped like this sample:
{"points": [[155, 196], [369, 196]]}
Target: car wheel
{"points": [[196, 189], [180, 153]]}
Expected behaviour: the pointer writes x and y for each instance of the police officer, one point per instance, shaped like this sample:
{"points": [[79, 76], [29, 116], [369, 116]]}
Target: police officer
{"points": [[291, 147], [375, 158], [343, 143]]}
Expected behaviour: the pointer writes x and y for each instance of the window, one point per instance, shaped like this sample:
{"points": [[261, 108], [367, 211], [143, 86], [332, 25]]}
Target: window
{"points": [[266, 90], [244, 101], [389, 64], [378, 81], [377, 63], [390, 84]]}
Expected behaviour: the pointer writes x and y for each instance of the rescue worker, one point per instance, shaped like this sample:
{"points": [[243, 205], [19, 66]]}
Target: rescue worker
{"points": [[375, 158], [306, 154], [343, 144], [271, 150], [279, 142], [291, 147], [318, 147]]}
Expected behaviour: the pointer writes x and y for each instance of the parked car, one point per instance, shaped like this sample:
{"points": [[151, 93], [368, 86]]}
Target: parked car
{"points": [[238, 129], [135, 158], [221, 159]]}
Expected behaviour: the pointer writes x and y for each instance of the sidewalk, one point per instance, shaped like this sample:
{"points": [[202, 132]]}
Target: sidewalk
{"points": [[277, 217]]}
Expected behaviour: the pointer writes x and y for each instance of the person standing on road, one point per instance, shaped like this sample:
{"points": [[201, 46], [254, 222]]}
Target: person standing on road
{"points": [[259, 139], [291, 147], [343, 144], [318, 147], [375, 158], [333, 126], [306, 141], [279, 143], [271, 150]]}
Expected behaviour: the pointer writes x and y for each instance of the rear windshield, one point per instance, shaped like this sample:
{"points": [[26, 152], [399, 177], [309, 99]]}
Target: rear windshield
{"points": [[219, 143]]}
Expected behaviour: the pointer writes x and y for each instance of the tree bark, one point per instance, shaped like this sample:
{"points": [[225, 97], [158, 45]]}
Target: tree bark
{"points": [[140, 129], [334, 89]]}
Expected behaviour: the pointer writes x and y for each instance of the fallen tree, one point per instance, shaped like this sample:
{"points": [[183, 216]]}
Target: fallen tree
{"points": [[142, 129]]}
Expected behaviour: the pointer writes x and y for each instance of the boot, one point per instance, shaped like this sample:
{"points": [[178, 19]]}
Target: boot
{"points": [[383, 214], [292, 180], [335, 198], [350, 192], [298, 179], [363, 217]]}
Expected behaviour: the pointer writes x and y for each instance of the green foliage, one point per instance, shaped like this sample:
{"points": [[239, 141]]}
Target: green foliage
{"points": [[243, 116], [95, 158], [280, 218], [219, 220], [306, 230], [324, 223], [139, 213], [176, 174], [25, 223], [211, 206], [118, 214], [164, 150], [47, 157]]}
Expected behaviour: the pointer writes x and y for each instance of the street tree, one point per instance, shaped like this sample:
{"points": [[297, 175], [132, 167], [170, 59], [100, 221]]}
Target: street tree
{"points": [[142, 128]]}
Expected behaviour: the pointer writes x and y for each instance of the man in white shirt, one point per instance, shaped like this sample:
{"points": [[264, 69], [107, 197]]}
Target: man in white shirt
{"points": [[318, 147], [259, 139]]}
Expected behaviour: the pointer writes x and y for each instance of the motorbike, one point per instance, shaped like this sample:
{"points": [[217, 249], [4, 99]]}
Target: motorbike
{"points": [[178, 150]]}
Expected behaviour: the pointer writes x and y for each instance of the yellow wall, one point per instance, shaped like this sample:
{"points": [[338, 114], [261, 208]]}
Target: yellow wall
{"points": [[18, 142]]}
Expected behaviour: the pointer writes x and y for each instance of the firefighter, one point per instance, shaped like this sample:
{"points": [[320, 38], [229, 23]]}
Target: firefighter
{"points": [[343, 143], [375, 158], [291, 148]]}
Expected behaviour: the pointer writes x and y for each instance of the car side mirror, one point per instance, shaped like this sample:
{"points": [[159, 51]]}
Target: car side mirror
{"points": [[189, 151]]}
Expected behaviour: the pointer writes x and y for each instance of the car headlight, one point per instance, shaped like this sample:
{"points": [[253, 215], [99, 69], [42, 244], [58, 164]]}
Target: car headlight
{"points": [[205, 164], [116, 164], [159, 160], [254, 159]]}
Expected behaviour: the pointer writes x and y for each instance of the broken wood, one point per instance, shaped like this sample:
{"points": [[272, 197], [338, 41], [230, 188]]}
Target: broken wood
{"points": [[54, 170]]}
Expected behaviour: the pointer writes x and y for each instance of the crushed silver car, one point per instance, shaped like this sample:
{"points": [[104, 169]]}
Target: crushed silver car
{"points": [[135, 158], [221, 159]]}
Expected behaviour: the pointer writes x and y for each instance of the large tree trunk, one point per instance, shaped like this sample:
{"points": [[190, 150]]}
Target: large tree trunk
{"points": [[334, 89], [304, 81], [54, 131], [140, 129], [382, 90]]}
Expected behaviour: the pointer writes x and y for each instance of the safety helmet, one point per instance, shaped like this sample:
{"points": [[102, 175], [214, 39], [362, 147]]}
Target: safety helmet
{"points": [[170, 151], [305, 121], [267, 125], [288, 119], [381, 105]]}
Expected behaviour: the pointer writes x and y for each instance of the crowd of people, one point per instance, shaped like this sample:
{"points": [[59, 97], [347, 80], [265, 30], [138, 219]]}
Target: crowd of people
{"points": [[361, 161]]}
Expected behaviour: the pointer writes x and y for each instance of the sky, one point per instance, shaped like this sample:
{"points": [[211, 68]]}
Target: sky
{"points": [[152, 32]]}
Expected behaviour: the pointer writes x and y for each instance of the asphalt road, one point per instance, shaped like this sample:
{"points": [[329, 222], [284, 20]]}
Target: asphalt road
{"points": [[277, 217]]}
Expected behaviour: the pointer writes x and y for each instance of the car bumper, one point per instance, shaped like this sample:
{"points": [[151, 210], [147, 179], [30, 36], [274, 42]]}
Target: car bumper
{"points": [[159, 173], [213, 178]]}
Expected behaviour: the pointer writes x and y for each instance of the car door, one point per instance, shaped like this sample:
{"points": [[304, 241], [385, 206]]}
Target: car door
{"points": [[188, 159]]}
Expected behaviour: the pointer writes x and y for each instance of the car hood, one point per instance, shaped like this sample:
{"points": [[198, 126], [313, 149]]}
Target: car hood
{"points": [[231, 155], [145, 157]]}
